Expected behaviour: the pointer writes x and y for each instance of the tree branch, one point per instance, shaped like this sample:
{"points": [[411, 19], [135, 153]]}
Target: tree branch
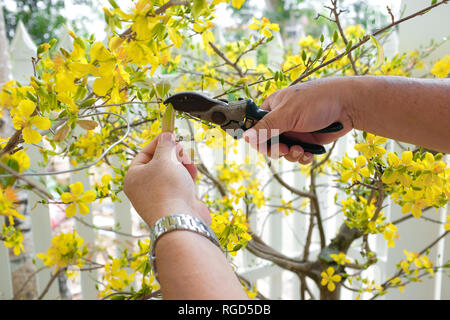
{"points": [[336, 14], [227, 61]]}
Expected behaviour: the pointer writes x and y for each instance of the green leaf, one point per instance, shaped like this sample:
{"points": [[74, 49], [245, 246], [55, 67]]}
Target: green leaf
{"points": [[349, 46], [113, 3], [275, 76], [319, 53], [237, 247], [31, 96], [168, 120], [247, 90], [304, 55], [380, 56], [162, 88], [335, 36], [88, 102], [198, 7]]}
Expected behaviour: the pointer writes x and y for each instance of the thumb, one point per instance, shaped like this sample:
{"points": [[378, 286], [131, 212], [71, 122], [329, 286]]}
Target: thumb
{"points": [[166, 147], [273, 124]]}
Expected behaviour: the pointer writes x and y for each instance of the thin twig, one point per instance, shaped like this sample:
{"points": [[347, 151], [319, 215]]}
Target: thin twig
{"points": [[227, 60], [336, 14]]}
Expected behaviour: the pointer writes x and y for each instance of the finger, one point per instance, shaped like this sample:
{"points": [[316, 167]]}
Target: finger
{"points": [[266, 105], [295, 153], [146, 154], [166, 149], [277, 151], [273, 124], [186, 160], [306, 158]]}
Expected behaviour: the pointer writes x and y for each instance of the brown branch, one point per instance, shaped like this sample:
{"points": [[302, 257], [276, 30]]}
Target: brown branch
{"points": [[286, 185], [12, 142], [260, 249], [308, 237], [315, 207], [317, 165], [336, 14], [52, 279], [390, 13], [31, 276], [227, 60], [108, 229], [24, 179]]}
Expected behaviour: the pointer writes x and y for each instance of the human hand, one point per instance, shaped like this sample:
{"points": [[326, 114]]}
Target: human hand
{"points": [[300, 109], [160, 182]]}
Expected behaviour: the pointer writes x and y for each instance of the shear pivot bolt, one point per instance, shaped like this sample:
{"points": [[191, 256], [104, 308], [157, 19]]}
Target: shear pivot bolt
{"points": [[218, 117]]}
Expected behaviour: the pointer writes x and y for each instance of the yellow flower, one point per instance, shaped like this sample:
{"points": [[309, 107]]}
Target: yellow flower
{"points": [[13, 238], [329, 278], [8, 198], [237, 3], [23, 120], [390, 233], [286, 207], [340, 258], [354, 31], [441, 68], [447, 225], [372, 147], [396, 282], [77, 197], [66, 249], [354, 171], [264, 26], [309, 43], [398, 172]]}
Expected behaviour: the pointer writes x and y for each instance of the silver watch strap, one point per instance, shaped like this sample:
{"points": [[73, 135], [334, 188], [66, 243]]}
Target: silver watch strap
{"points": [[178, 222]]}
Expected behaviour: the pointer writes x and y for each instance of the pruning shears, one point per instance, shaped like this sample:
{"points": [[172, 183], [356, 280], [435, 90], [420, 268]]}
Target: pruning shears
{"points": [[234, 117]]}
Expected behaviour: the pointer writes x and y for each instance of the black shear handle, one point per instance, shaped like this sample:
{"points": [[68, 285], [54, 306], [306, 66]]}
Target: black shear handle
{"points": [[255, 113]]}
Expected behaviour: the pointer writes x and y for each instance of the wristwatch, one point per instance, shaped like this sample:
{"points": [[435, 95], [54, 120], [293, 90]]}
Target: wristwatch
{"points": [[178, 222]]}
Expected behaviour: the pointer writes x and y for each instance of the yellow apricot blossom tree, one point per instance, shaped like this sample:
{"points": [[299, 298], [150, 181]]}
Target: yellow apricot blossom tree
{"points": [[100, 100]]}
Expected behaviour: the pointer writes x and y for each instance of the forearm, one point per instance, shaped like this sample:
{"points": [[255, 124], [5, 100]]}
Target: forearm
{"points": [[416, 111], [192, 267]]}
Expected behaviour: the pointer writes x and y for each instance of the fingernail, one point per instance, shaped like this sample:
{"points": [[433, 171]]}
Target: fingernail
{"points": [[250, 136], [307, 157], [167, 137], [296, 153]]}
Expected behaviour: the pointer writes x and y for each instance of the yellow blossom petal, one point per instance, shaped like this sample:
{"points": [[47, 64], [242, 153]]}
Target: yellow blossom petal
{"points": [[71, 210], [31, 136], [83, 208], [88, 196], [26, 108], [42, 123], [331, 286], [67, 197], [76, 188]]}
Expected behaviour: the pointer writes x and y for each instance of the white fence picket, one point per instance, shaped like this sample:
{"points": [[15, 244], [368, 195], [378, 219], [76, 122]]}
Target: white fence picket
{"points": [[6, 290], [42, 232], [88, 278]]}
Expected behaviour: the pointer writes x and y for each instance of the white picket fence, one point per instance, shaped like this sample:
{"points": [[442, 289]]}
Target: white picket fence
{"points": [[283, 233]]}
